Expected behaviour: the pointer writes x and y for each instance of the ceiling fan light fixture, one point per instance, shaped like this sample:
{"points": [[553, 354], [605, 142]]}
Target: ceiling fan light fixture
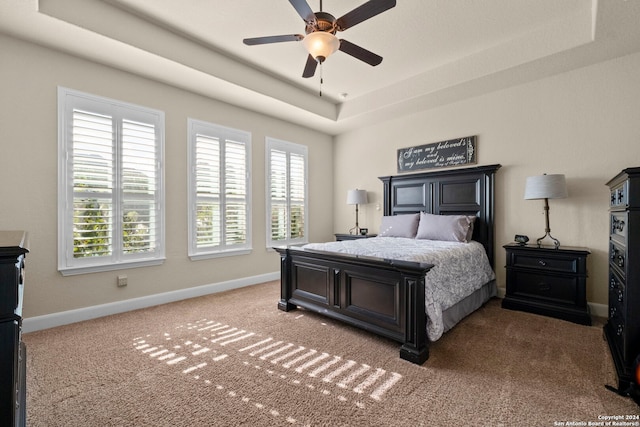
{"points": [[321, 44]]}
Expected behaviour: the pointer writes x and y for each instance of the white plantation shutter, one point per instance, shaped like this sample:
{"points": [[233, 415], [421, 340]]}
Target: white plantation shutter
{"points": [[139, 187], [287, 193], [219, 190], [297, 192], [110, 184], [235, 193], [207, 181], [93, 183], [278, 195]]}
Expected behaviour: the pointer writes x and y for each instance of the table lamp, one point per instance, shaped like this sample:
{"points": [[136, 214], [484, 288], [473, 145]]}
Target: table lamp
{"points": [[546, 187], [356, 197]]}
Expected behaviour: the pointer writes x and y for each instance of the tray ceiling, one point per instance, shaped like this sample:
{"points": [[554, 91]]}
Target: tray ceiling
{"points": [[435, 51]]}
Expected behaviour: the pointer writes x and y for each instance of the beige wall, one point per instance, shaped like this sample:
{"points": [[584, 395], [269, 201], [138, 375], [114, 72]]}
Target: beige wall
{"points": [[584, 124], [29, 76]]}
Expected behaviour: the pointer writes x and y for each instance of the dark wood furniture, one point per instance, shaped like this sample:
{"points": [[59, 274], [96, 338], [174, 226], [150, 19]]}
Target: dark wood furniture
{"points": [[341, 236], [623, 326], [548, 281], [384, 296], [13, 353]]}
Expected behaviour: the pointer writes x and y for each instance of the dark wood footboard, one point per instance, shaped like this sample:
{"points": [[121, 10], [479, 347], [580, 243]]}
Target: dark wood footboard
{"points": [[385, 297]]}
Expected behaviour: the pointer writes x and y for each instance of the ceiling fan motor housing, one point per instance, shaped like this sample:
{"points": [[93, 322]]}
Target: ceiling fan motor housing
{"points": [[325, 22]]}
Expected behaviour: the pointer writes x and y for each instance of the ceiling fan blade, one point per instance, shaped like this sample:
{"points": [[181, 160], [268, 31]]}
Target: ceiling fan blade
{"points": [[363, 12], [303, 9], [360, 53], [309, 67], [273, 39]]}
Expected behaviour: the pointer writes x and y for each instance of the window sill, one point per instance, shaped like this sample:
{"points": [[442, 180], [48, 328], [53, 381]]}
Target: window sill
{"points": [[73, 271], [219, 254]]}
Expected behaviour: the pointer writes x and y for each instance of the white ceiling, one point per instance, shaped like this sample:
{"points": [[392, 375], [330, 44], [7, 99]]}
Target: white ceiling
{"points": [[435, 51]]}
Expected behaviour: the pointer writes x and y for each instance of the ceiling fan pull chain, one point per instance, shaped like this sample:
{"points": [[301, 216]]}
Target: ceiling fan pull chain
{"points": [[321, 79]]}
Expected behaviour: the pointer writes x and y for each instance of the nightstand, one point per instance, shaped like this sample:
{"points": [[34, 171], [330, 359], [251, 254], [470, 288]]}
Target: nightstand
{"points": [[340, 236], [548, 281]]}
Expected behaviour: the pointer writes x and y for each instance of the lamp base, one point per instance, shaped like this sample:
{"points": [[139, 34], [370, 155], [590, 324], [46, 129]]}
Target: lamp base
{"points": [[547, 228], [556, 242]]}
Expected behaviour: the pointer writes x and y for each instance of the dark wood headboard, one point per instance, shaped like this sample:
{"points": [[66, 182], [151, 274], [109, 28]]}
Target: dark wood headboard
{"points": [[467, 191]]}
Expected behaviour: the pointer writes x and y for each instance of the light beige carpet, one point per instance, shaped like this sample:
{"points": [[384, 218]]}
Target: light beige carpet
{"points": [[233, 359]]}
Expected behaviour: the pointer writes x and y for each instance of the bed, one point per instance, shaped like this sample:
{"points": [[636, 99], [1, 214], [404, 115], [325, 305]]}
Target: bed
{"points": [[387, 296]]}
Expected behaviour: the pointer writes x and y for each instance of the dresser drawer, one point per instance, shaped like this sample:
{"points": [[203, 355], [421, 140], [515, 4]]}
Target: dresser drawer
{"points": [[618, 225], [12, 278], [552, 288], [617, 298], [618, 257], [617, 326], [546, 263], [619, 195]]}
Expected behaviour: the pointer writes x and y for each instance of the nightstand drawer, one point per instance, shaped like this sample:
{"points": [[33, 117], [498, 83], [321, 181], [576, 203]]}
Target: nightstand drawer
{"points": [[541, 262], [532, 285]]}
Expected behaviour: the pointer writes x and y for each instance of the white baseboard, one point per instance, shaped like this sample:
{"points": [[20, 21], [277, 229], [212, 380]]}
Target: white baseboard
{"points": [[598, 310], [32, 324]]}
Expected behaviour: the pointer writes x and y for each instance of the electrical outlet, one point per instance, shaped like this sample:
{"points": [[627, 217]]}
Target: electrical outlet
{"points": [[122, 281]]}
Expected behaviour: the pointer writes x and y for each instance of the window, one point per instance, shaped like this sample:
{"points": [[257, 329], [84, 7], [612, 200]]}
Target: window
{"points": [[219, 190], [286, 193], [110, 189]]}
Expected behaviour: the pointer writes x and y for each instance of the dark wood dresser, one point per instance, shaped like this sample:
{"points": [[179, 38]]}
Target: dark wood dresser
{"points": [[623, 326], [13, 353], [548, 281]]}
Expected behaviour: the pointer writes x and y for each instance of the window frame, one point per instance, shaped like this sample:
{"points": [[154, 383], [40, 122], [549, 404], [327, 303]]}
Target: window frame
{"points": [[289, 148], [119, 112], [221, 133]]}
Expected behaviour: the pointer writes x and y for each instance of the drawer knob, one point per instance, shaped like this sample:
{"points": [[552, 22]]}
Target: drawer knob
{"points": [[620, 330], [542, 262]]}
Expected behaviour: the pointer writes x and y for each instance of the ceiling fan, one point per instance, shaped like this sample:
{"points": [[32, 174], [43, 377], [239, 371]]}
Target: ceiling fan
{"points": [[320, 29]]}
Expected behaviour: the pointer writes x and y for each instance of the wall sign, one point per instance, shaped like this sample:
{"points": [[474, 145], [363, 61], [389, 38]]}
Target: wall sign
{"points": [[454, 152]]}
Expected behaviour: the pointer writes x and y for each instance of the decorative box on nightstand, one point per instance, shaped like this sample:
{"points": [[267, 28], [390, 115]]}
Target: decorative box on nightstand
{"points": [[340, 236], [548, 281]]}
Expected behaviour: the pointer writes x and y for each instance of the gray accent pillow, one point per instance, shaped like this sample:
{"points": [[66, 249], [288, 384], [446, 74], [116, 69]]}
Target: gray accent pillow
{"points": [[451, 228], [399, 226]]}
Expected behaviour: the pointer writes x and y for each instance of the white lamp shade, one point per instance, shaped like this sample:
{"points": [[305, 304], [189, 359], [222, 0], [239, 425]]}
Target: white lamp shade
{"points": [[321, 44], [545, 187], [357, 197]]}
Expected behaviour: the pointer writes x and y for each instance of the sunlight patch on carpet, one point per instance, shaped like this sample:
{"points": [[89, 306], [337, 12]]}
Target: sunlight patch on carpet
{"points": [[320, 372]]}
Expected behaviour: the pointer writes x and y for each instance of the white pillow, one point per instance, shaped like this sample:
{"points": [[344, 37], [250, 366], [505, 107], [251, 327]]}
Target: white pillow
{"points": [[452, 228], [399, 226]]}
